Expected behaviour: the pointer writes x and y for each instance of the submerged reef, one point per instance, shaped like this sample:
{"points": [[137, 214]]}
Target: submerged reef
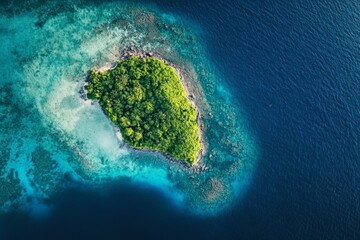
{"points": [[145, 98], [51, 139]]}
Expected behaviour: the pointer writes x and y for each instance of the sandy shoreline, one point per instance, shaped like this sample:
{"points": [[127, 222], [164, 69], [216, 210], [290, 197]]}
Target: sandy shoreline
{"points": [[189, 94]]}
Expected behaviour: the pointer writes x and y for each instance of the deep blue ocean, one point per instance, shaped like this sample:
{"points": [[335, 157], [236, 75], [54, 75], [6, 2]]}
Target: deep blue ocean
{"points": [[294, 69]]}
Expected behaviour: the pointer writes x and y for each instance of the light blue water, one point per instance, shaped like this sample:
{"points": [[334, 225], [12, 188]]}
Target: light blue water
{"points": [[51, 139]]}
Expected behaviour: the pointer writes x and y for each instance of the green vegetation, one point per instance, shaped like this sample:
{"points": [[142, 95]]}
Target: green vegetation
{"points": [[146, 99]]}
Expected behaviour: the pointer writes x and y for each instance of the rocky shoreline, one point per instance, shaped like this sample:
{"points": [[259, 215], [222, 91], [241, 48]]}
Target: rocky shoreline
{"points": [[124, 54]]}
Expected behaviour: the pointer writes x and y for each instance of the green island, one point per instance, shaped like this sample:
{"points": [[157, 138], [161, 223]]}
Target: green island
{"points": [[145, 98]]}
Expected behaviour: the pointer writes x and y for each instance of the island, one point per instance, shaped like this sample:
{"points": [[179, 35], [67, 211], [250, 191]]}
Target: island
{"points": [[146, 99]]}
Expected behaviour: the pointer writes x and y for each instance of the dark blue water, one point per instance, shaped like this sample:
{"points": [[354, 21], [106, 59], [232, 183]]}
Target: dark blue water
{"points": [[295, 68]]}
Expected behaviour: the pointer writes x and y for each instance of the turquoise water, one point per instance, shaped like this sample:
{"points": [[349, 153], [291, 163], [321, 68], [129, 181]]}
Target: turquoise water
{"points": [[52, 139]]}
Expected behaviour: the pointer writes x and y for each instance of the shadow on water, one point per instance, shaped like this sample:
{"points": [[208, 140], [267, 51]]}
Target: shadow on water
{"points": [[120, 211]]}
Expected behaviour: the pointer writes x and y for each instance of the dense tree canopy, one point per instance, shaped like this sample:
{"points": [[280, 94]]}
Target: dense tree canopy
{"points": [[146, 99]]}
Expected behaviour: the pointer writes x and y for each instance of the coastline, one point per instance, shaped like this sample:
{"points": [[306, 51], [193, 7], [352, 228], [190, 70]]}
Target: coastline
{"points": [[190, 95]]}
